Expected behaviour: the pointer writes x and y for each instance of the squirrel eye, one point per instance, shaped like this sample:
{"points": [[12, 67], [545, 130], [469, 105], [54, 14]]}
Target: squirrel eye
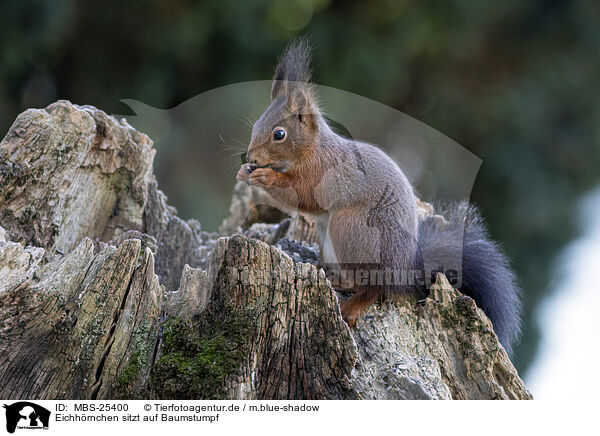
{"points": [[279, 135]]}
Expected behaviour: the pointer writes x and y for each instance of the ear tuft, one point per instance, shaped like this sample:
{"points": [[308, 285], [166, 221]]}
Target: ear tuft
{"points": [[294, 66]]}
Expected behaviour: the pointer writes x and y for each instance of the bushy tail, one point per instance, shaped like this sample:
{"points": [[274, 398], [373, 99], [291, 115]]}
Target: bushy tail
{"points": [[486, 273]]}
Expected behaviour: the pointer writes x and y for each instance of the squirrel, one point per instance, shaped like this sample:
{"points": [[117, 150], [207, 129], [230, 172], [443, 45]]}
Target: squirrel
{"points": [[365, 209]]}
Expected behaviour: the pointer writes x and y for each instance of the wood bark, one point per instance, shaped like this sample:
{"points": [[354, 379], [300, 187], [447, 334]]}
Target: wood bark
{"points": [[106, 293]]}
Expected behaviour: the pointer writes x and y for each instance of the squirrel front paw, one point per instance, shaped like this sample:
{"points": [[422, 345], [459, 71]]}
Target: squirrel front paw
{"points": [[244, 173], [256, 176]]}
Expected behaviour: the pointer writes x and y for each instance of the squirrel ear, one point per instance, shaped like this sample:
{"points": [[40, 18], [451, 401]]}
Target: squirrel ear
{"points": [[298, 101]]}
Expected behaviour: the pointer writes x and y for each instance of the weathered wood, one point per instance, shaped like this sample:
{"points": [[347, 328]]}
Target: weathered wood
{"points": [[71, 172], [106, 293], [68, 328], [440, 348]]}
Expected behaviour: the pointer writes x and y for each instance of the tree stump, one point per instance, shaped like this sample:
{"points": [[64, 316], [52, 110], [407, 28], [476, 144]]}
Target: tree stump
{"points": [[105, 293]]}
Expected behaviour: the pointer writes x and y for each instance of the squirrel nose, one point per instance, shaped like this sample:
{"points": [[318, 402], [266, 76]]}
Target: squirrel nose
{"points": [[249, 158]]}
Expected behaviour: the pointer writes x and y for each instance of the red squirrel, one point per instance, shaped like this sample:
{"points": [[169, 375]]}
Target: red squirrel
{"points": [[364, 207]]}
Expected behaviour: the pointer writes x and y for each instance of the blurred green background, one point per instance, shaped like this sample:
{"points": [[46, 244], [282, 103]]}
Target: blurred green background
{"points": [[516, 82]]}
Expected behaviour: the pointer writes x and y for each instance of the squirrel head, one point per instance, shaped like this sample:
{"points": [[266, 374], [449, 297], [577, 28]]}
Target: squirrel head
{"points": [[289, 128]]}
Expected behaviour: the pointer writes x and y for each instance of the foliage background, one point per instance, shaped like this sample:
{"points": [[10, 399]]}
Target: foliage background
{"points": [[516, 82]]}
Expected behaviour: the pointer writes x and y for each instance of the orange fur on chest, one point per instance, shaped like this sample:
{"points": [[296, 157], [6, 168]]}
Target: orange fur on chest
{"points": [[303, 184]]}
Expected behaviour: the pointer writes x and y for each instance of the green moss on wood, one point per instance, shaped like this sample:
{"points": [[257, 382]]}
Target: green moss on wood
{"points": [[131, 371], [198, 356], [127, 383]]}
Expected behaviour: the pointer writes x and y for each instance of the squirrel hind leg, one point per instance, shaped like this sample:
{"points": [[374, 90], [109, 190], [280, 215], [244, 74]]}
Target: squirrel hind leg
{"points": [[352, 308]]}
